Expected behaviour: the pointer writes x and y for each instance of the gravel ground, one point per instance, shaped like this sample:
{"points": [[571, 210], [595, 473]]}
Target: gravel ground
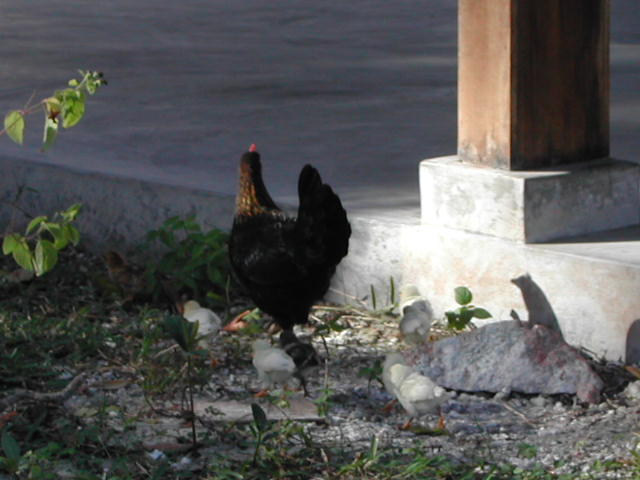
{"points": [[555, 432], [521, 430]]}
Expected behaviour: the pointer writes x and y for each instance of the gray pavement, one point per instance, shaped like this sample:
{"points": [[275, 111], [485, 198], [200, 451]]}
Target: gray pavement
{"points": [[363, 89]]}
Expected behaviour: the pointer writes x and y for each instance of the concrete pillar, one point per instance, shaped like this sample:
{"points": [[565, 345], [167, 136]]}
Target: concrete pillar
{"points": [[533, 126]]}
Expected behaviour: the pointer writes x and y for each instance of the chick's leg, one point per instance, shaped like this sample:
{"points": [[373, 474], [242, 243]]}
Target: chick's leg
{"points": [[389, 406], [238, 323], [442, 425], [407, 425]]}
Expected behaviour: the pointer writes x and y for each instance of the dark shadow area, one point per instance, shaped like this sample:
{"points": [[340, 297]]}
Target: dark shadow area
{"points": [[538, 307], [625, 234], [632, 355]]}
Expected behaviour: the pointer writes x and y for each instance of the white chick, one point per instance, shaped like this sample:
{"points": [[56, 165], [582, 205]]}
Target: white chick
{"points": [[208, 322], [398, 372], [409, 293], [417, 316], [273, 364], [391, 381], [419, 395], [416, 393], [390, 360]]}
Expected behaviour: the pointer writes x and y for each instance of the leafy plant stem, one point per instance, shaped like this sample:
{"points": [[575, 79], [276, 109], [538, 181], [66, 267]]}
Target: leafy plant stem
{"points": [[65, 107]]}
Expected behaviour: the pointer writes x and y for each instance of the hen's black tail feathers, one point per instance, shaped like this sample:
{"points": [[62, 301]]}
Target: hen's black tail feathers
{"points": [[322, 221]]}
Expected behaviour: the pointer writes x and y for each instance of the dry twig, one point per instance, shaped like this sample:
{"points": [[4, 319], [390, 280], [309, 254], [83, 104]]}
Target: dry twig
{"points": [[59, 396]]}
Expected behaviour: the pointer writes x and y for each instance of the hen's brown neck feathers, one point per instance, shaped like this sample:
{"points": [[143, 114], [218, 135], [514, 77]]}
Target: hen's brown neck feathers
{"points": [[252, 198], [247, 200]]}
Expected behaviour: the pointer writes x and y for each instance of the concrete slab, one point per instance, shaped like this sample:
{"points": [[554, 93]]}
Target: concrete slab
{"points": [[530, 206]]}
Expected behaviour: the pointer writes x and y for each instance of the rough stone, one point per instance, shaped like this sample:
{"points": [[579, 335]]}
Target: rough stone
{"points": [[633, 391], [508, 356]]}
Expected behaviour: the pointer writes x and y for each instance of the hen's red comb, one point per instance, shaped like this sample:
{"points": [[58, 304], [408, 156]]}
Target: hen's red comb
{"points": [[253, 147]]}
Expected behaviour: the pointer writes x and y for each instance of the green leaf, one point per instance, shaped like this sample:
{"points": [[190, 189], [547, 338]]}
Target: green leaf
{"points": [[46, 256], [463, 295], [182, 331], [466, 315], [167, 238], [199, 250], [10, 446], [334, 326], [35, 223], [172, 222], [10, 243], [23, 256], [215, 276], [259, 417], [481, 313], [73, 102], [215, 237], [215, 297], [58, 232], [14, 126], [71, 233], [50, 133], [72, 212], [451, 316], [191, 283]]}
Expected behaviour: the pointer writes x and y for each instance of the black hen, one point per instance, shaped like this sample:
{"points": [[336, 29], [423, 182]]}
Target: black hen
{"points": [[285, 264]]}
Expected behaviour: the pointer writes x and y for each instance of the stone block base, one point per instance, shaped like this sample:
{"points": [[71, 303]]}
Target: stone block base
{"points": [[531, 206]]}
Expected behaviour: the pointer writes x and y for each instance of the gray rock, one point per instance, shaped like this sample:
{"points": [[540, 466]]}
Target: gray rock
{"points": [[508, 356], [633, 391], [502, 394], [539, 401]]}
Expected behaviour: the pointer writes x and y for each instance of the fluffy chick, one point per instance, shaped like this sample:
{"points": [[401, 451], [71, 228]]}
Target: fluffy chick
{"points": [[208, 322], [419, 395], [390, 360], [273, 364], [416, 393], [304, 356], [417, 316]]}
